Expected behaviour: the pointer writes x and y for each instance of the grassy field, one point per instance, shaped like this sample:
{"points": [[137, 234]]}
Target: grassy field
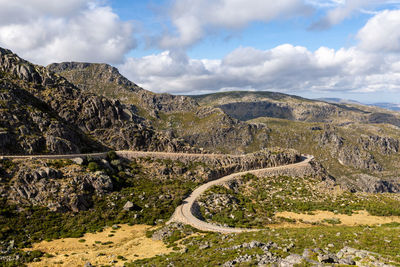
{"points": [[208, 249], [255, 202]]}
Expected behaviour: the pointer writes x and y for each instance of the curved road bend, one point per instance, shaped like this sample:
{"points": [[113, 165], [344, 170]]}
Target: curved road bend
{"points": [[184, 212]]}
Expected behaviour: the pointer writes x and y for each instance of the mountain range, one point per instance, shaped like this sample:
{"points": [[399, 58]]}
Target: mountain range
{"points": [[83, 107], [347, 152]]}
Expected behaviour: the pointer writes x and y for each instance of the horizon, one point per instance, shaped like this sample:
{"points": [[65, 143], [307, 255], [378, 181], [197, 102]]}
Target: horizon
{"points": [[347, 49]]}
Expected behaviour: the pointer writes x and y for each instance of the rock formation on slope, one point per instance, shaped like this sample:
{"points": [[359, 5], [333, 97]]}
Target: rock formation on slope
{"points": [[250, 105], [42, 112], [206, 127], [103, 79]]}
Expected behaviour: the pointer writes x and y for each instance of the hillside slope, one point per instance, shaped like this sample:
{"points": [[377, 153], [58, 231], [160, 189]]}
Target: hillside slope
{"points": [[105, 80], [207, 127], [42, 112], [359, 145], [251, 105]]}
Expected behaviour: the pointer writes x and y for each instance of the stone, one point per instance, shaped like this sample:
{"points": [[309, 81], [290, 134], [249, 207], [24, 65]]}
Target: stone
{"points": [[291, 260], [78, 160], [128, 206], [327, 258], [204, 246], [347, 261]]}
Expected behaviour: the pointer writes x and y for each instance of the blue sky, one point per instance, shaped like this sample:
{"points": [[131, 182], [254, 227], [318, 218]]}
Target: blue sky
{"points": [[314, 48], [257, 34]]}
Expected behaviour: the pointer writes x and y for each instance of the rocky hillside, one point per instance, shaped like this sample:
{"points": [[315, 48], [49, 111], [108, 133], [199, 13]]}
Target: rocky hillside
{"points": [[357, 144], [103, 79], [362, 157], [250, 105], [181, 116], [69, 185], [42, 112]]}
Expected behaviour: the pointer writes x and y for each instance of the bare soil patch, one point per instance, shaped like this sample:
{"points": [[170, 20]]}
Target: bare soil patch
{"points": [[357, 218], [130, 242]]}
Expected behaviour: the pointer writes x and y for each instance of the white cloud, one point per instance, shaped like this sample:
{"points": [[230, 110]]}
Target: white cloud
{"points": [[381, 33], [46, 31], [371, 66], [285, 68], [22, 11], [343, 9], [193, 19]]}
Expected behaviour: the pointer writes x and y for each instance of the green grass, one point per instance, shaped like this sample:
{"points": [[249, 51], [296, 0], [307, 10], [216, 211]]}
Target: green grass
{"points": [[133, 181], [257, 200], [361, 237]]}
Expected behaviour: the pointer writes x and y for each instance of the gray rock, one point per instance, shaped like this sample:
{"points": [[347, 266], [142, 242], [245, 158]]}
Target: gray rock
{"points": [[327, 258], [128, 206], [204, 246], [347, 261], [78, 161], [291, 260]]}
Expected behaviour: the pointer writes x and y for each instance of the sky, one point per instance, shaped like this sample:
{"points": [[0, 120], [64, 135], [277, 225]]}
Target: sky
{"points": [[348, 49]]}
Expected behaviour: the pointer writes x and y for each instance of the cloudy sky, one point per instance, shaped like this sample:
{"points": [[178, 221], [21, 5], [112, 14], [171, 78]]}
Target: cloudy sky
{"points": [[314, 48]]}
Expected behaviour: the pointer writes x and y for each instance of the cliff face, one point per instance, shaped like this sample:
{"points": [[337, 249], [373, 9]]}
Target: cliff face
{"points": [[181, 116], [42, 112], [251, 105], [103, 79]]}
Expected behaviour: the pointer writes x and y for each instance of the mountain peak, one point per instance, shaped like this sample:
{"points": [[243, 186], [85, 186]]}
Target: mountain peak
{"points": [[98, 73]]}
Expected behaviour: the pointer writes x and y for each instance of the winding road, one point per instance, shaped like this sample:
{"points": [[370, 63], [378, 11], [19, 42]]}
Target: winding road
{"points": [[185, 212]]}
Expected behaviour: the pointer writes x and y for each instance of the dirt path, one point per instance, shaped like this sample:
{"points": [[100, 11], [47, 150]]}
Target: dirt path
{"points": [[185, 212]]}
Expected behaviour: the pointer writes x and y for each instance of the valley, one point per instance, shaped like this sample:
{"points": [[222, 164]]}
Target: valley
{"points": [[97, 171]]}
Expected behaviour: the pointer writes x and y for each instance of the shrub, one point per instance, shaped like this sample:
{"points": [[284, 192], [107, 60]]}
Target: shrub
{"points": [[111, 155], [93, 166]]}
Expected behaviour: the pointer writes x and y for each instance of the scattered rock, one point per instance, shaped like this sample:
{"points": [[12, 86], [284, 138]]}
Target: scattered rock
{"points": [[128, 206]]}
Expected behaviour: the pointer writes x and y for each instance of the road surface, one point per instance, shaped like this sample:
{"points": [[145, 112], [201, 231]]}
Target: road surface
{"points": [[185, 212]]}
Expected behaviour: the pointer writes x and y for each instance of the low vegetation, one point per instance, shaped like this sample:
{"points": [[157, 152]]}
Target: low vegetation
{"points": [[254, 202], [154, 197], [213, 249]]}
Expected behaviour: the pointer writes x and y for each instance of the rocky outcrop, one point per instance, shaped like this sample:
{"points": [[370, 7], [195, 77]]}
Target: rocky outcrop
{"points": [[371, 184], [214, 166], [103, 79], [59, 191], [217, 131], [250, 105], [385, 145], [209, 127], [346, 153], [310, 257], [42, 112], [29, 126]]}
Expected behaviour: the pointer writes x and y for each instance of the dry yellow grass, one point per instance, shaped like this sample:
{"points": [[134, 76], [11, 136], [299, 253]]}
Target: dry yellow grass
{"points": [[128, 241], [359, 218]]}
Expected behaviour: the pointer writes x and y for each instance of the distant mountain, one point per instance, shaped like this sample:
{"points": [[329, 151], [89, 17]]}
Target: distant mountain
{"points": [[385, 105], [339, 100], [250, 105], [391, 106]]}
